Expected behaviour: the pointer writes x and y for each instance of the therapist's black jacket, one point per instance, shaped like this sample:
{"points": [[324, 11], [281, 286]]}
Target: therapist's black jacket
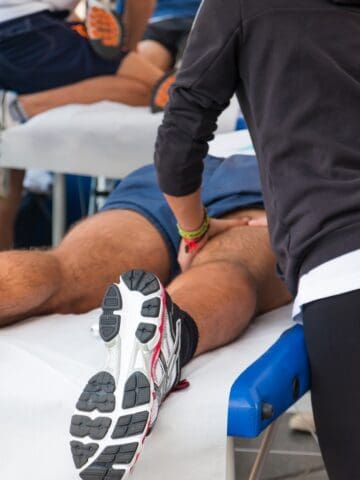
{"points": [[295, 66]]}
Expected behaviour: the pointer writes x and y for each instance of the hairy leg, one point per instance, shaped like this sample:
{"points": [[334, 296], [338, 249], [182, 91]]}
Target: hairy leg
{"points": [[8, 209], [230, 281], [73, 277], [131, 85]]}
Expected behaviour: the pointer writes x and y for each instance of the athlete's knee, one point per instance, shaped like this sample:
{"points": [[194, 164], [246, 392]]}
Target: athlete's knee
{"points": [[232, 276]]}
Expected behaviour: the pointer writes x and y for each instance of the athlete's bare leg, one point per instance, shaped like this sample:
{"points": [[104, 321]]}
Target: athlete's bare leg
{"points": [[8, 209], [231, 280], [131, 85], [74, 276]]}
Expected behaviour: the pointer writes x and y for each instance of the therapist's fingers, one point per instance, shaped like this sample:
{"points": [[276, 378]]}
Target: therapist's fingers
{"points": [[217, 226], [186, 256], [259, 222]]}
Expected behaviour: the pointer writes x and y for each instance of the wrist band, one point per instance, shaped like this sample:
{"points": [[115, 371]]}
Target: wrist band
{"points": [[196, 234]]}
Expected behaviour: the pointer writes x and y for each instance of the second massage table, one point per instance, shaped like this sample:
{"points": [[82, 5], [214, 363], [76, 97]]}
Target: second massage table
{"points": [[103, 139]]}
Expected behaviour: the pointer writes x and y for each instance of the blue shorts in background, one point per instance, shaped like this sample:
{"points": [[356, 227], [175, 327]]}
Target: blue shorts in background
{"points": [[229, 184], [43, 51]]}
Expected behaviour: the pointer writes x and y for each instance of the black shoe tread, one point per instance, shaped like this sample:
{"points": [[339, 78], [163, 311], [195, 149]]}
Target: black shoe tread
{"points": [[102, 467], [151, 308], [98, 394], [141, 281], [145, 332], [109, 321], [128, 425], [81, 452], [137, 391], [82, 426]]}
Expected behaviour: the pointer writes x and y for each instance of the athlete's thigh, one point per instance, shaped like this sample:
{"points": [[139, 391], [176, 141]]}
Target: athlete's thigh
{"points": [[249, 247], [115, 241]]}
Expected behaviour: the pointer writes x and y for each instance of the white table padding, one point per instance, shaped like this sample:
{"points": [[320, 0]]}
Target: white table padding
{"points": [[232, 143], [46, 362], [104, 138]]}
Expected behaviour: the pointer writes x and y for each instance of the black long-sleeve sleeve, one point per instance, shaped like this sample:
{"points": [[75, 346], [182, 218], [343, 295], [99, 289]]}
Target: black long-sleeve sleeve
{"points": [[206, 82]]}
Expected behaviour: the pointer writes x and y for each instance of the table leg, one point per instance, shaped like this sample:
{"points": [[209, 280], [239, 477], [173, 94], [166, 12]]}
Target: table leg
{"points": [[58, 208]]}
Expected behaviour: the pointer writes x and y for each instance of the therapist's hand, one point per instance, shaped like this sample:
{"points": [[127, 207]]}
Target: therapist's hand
{"points": [[259, 221], [217, 226]]}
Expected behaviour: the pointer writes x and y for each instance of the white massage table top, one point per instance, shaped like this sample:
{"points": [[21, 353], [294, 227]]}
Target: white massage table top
{"points": [[46, 362], [105, 138]]}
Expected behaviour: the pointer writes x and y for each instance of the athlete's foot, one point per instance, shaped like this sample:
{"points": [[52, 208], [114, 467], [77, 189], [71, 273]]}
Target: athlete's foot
{"points": [[120, 404], [160, 92], [105, 30]]}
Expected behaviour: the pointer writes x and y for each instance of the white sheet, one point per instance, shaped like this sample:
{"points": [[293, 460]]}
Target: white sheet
{"points": [[101, 139], [44, 365], [232, 143], [45, 362]]}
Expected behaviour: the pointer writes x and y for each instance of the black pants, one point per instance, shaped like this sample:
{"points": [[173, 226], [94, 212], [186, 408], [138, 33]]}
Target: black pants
{"points": [[332, 331]]}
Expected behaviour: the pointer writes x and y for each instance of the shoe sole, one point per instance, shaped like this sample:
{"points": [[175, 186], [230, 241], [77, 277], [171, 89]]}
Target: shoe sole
{"points": [[107, 45], [117, 405]]}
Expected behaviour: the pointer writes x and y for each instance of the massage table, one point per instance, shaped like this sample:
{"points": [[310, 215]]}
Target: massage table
{"points": [[266, 390], [105, 139], [45, 363]]}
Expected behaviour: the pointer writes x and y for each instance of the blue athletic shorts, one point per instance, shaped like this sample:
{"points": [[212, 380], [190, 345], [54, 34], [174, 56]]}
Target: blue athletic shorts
{"points": [[229, 184], [43, 51]]}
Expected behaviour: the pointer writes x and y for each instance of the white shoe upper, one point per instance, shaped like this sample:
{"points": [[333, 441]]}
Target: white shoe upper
{"points": [[11, 113], [167, 370], [120, 404]]}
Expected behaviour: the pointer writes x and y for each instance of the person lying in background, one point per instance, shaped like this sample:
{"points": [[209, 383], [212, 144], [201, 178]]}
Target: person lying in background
{"points": [[166, 35], [229, 282], [47, 62]]}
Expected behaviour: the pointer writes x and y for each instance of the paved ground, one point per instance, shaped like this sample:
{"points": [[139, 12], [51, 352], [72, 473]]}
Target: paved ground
{"points": [[294, 456]]}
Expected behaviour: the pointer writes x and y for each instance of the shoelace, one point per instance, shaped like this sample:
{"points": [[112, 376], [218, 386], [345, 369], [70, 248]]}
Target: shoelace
{"points": [[182, 385]]}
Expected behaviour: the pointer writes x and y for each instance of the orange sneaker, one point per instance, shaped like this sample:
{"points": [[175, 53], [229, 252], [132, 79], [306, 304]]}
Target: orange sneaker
{"points": [[105, 30], [160, 92]]}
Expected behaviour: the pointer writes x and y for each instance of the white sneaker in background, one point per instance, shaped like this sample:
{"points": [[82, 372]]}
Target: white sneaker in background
{"points": [[11, 115], [303, 422], [11, 112]]}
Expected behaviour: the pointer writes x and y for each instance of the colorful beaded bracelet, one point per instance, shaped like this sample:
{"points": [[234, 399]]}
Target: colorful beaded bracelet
{"points": [[195, 234]]}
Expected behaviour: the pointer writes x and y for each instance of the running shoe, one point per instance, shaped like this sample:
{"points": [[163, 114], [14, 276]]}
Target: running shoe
{"points": [[303, 422], [11, 113], [120, 404], [105, 30]]}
